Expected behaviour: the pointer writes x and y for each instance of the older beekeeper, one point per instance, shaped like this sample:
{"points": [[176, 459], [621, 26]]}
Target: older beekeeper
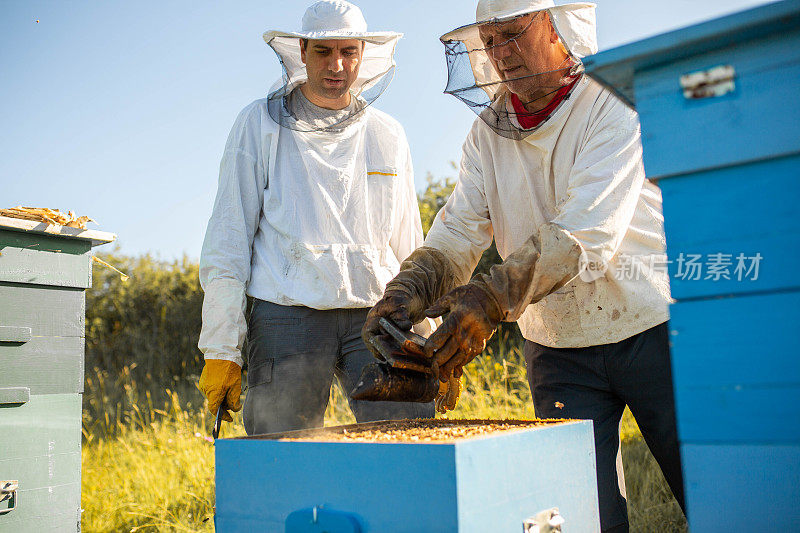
{"points": [[314, 212], [552, 169]]}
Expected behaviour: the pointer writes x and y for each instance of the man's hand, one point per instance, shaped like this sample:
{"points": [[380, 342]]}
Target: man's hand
{"points": [[394, 306], [222, 380], [473, 317]]}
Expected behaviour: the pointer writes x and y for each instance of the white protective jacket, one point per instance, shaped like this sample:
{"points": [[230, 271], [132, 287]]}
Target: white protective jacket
{"points": [[305, 218], [582, 170]]}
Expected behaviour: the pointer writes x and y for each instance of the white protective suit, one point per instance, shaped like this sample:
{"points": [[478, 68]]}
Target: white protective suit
{"points": [[306, 219], [319, 219], [582, 170]]}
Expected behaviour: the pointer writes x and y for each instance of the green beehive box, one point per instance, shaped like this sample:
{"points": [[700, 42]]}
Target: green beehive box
{"points": [[44, 270]]}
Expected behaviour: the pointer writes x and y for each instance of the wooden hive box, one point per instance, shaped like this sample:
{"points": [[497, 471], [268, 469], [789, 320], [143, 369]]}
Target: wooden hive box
{"points": [[721, 135], [471, 477], [44, 271]]}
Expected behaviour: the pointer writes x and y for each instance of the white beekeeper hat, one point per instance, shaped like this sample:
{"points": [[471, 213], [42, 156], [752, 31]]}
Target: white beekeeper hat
{"points": [[337, 19], [575, 22]]}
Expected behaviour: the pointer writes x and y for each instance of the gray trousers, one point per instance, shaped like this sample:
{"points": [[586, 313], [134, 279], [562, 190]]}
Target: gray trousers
{"points": [[596, 383], [292, 357]]}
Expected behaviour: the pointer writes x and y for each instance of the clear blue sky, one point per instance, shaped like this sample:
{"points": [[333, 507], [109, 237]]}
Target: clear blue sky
{"points": [[120, 110]]}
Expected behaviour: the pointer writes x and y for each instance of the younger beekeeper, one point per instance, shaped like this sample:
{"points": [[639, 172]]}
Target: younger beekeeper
{"points": [[314, 212], [552, 169]]}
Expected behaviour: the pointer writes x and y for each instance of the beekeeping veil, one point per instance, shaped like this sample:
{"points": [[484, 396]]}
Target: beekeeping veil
{"points": [[330, 19], [473, 79]]}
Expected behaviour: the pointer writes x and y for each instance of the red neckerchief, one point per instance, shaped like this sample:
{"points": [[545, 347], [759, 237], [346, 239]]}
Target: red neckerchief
{"points": [[530, 120]]}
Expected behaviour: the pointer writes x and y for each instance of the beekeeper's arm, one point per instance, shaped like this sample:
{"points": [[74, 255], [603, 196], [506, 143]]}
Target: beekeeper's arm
{"points": [[460, 233], [225, 262], [604, 187], [407, 226]]}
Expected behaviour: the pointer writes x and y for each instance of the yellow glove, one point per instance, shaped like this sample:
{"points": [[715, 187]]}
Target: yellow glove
{"points": [[449, 392], [222, 380]]}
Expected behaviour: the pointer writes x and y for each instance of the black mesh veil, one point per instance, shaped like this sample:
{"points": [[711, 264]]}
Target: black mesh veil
{"points": [[289, 108], [473, 79]]}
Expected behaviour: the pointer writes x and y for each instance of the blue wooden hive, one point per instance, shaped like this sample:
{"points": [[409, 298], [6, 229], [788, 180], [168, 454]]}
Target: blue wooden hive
{"points": [[489, 483], [718, 104]]}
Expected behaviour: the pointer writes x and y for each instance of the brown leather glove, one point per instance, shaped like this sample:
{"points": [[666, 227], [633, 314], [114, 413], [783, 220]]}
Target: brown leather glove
{"points": [[473, 316], [222, 379], [425, 276], [543, 264], [394, 306]]}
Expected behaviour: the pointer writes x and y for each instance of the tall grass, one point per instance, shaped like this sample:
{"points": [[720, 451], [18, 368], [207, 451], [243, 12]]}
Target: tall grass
{"points": [[148, 463]]}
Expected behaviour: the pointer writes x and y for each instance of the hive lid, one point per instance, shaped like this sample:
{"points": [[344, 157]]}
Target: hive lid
{"points": [[615, 68], [32, 226]]}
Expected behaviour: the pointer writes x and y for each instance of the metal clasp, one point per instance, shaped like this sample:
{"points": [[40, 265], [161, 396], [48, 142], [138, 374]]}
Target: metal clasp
{"points": [[709, 83], [547, 521], [8, 492]]}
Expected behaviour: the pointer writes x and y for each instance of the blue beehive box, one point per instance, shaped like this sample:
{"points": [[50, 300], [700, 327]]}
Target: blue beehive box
{"points": [[718, 104], [487, 483]]}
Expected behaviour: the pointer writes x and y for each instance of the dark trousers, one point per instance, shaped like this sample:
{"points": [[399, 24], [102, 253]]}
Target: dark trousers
{"points": [[596, 383], [292, 357]]}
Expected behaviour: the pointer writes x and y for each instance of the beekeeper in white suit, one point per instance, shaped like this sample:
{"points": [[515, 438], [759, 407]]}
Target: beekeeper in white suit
{"points": [[552, 169], [314, 212]]}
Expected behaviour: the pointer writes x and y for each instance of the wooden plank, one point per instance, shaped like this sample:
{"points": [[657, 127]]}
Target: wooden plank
{"points": [[735, 369], [738, 415], [48, 365], [738, 220], [65, 522], [44, 260], [47, 424], [728, 486], [735, 342], [43, 471], [40, 445], [53, 509], [749, 124], [49, 312], [94, 236]]}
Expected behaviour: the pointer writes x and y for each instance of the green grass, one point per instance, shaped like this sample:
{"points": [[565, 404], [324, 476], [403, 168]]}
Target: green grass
{"points": [[148, 464]]}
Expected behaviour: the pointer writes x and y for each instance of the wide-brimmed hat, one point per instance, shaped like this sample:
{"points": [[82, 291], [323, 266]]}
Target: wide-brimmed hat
{"points": [[334, 19], [574, 22]]}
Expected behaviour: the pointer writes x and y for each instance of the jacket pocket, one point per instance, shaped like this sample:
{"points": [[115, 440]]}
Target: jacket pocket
{"points": [[281, 321], [261, 373], [381, 192]]}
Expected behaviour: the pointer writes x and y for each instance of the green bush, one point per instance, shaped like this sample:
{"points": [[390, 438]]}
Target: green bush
{"points": [[144, 330]]}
